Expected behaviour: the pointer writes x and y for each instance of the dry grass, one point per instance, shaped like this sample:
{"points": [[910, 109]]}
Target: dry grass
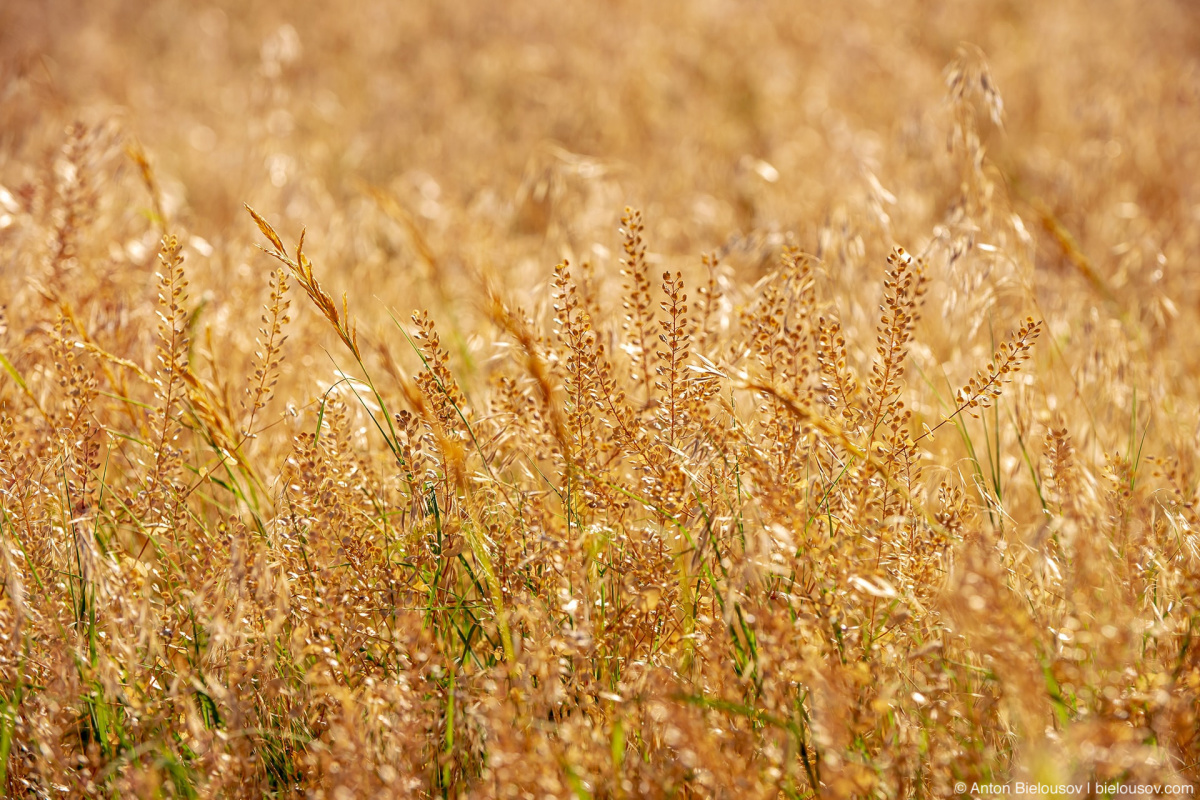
{"points": [[724, 495]]}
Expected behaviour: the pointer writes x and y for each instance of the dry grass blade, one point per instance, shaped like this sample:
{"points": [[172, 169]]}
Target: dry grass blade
{"points": [[301, 269]]}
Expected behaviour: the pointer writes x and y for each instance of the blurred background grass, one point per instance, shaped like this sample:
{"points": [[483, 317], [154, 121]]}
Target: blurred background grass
{"points": [[513, 132]]}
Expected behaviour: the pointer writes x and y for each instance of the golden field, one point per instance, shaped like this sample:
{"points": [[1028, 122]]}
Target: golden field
{"points": [[616, 400]]}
